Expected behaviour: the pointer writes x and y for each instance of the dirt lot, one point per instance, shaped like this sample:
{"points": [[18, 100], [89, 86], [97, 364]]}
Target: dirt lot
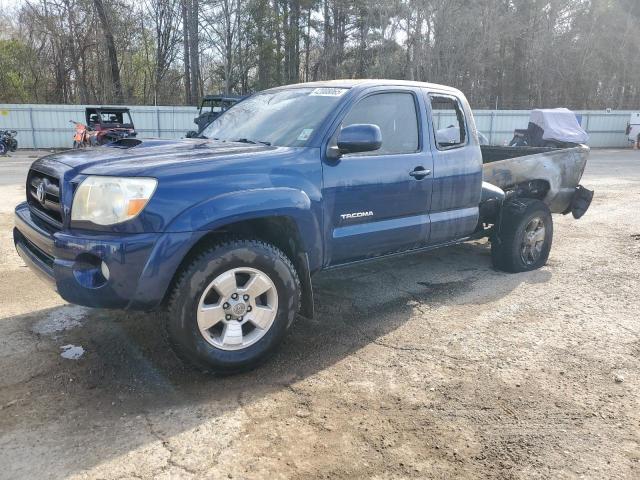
{"points": [[427, 366]]}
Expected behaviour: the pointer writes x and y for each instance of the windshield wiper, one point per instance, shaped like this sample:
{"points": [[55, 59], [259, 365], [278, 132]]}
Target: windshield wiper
{"points": [[254, 142]]}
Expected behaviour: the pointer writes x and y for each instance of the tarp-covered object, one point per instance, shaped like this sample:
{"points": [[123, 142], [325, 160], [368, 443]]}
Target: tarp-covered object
{"points": [[559, 124]]}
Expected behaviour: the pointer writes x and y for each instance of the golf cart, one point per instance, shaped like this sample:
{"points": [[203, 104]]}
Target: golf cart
{"points": [[551, 127]]}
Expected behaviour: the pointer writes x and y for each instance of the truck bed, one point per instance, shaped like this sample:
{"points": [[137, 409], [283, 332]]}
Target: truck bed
{"points": [[561, 168]]}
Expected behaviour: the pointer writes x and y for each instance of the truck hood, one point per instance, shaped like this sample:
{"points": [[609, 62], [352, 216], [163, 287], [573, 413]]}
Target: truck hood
{"points": [[134, 157]]}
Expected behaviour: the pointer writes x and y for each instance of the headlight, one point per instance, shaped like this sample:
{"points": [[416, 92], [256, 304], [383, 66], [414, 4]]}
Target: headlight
{"points": [[109, 200]]}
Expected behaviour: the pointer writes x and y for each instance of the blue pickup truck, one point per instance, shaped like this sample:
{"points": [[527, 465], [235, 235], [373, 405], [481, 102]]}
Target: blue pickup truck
{"points": [[224, 232]]}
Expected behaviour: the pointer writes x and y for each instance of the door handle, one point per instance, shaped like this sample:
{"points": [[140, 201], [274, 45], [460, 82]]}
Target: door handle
{"points": [[419, 173]]}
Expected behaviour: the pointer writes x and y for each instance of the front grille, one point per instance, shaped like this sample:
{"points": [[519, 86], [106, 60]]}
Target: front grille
{"points": [[43, 196]]}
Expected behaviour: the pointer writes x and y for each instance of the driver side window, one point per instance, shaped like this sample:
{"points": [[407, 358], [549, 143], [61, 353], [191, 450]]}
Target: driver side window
{"points": [[396, 116]]}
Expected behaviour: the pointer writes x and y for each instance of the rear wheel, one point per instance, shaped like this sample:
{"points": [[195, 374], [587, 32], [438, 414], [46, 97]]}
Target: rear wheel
{"points": [[232, 305], [3, 148], [525, 236]]}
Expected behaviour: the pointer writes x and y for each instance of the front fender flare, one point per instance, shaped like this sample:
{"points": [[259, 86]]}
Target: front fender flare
{"points": [[242, 205]]}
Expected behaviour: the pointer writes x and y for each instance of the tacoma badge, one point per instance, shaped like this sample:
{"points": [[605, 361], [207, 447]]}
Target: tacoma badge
{"points": [[347, 216]]}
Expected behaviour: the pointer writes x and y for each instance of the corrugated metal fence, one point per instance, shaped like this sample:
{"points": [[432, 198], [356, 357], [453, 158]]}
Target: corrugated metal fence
{"points": [[606, 129], [47, 126]]}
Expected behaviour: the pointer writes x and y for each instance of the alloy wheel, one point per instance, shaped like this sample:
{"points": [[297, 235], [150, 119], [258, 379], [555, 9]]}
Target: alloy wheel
{"points": [[237, 308], [532, 241]]}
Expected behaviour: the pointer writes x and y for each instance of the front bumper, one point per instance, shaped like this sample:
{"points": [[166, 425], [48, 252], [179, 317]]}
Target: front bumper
{"points": [[139, 267]]}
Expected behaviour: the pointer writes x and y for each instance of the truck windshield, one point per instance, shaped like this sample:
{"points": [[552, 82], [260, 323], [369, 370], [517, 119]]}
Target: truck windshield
{"points": [[285, 118]]}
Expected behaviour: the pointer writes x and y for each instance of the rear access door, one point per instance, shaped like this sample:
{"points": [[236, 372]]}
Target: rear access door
{"points": [[378, 202], [457, 168]]}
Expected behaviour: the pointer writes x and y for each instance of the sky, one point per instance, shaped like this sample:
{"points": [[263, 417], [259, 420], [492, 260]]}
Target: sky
{"points": [[7, 7], [8, 3]]}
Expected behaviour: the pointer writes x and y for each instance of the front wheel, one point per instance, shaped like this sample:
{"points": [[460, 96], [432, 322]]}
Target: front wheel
{"points": [[232, 305], [524, 238], [3, 148]]}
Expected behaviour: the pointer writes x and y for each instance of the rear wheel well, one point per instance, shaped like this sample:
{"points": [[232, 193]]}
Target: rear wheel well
{"points": [[536, 189], [279, 231]]}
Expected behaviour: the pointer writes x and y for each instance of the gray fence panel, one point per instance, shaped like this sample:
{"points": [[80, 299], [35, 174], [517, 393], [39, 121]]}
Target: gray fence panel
{"points": [[606, 129], [47, 126], [498, 125]]}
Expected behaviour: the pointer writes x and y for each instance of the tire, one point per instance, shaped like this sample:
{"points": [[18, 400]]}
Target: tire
{"points": [[524, 239], [203, 295], [3, 148]]}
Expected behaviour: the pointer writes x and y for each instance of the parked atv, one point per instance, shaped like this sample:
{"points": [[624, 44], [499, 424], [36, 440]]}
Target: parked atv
{"points": [[633, 130], [8, 142], [211, 107], [110, 123], [552, 127]]}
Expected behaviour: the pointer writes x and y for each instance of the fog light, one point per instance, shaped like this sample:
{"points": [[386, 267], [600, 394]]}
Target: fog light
{"points": [[90, 271], [105, 270]]}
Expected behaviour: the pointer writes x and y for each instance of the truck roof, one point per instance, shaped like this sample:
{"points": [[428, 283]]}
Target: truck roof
{"points": [[366, 82], [222, 97], [111, 109]]}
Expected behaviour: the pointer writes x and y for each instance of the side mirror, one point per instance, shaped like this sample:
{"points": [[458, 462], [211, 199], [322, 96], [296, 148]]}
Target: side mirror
{"points": [[359, 138]]}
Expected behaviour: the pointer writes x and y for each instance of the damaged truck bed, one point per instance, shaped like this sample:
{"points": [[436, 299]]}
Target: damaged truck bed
{"points": [[549, 174]]}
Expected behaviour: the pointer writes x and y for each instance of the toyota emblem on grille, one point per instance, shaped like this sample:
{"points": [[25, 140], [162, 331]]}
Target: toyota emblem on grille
{"points": [[41, 192]]}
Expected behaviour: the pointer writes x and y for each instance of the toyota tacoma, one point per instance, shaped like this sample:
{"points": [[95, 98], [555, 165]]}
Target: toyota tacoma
{"points": [[225, 232]]}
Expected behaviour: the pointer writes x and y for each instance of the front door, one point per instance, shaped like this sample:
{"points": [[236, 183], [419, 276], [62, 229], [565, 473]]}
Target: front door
{"points": [[378, 202]]}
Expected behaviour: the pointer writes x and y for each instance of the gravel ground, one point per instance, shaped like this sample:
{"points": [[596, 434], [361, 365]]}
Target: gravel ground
{"points": [[426, 366]]}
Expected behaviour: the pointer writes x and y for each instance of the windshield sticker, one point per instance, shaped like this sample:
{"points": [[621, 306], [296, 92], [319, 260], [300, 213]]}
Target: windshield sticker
{"points": [[328, 92], [305, 134]]}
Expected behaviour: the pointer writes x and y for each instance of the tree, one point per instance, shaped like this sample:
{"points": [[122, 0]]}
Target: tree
{"points": [[16, 80], [164, 16], [111, 51], [510, 53]]}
